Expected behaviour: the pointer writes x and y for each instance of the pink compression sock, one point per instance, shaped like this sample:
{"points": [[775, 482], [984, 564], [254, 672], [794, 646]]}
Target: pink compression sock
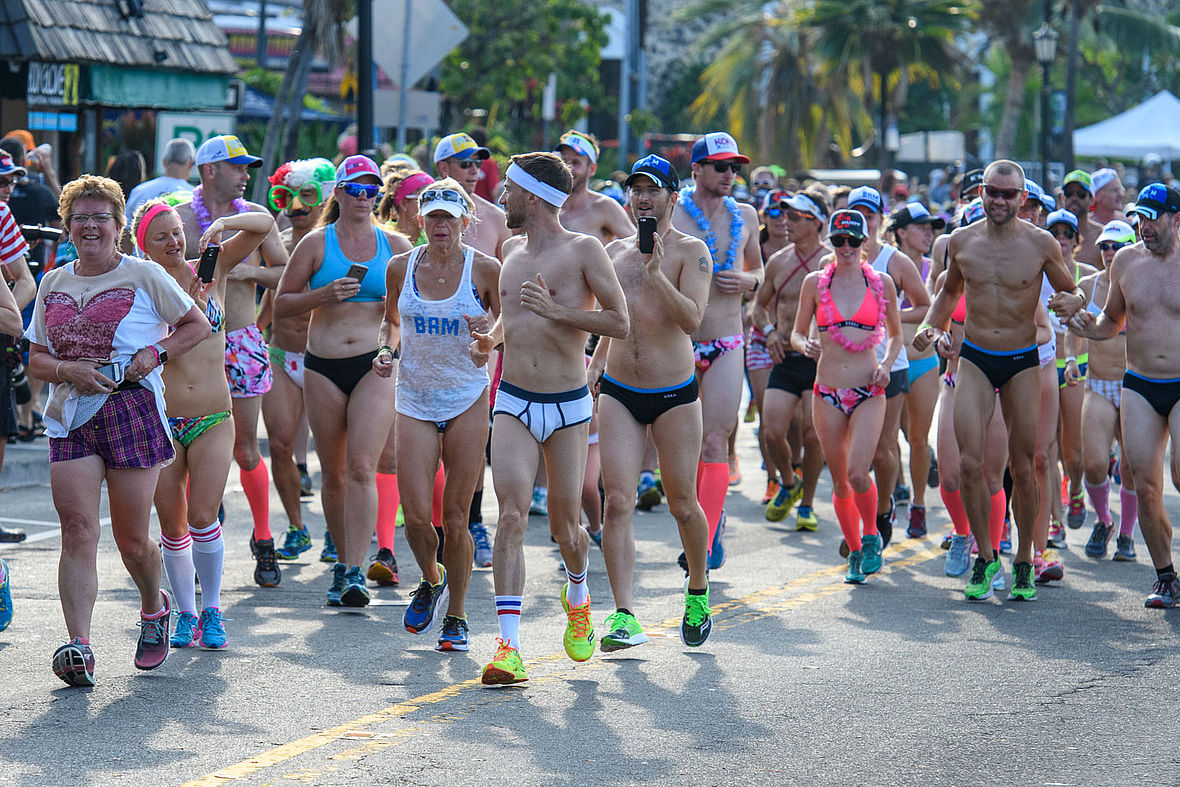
{"points": [[1129, 510], [849, 518], [953, 500], [387, 500], [1100, 499], [995, 516], [866, 505], [713, 487], [256, 485]]}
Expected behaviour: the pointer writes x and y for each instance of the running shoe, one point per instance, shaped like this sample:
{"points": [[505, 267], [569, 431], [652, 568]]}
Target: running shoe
{"points": [[73, 662], [870, 550], [772, 488], [856, 574], [646, 494], [805, 519], [681, 560], [212, 630], [717, 550], [266, 571], [12, 535], [778, 508], [946, 539], [885, 524], [1077, 511], [623, 631], [1023, 587], [1047, 567], [979, 587], [901, 493], [1099, 538], [336, 589], [295, 543], [1006, 539], [751, 413], [420, 615], [153, 646], [1056, 535], [1164, 593], [932, 475], [999, 582], [329, 554], [1125, 549], [505, 668], [595, 536], [383, 568], [540, 504], [5, 598], [482, 556], [184, 634], [355, 594], [305, 488], [958, 557], [579, 629], [697, 623], [917, 527], [453, 636], [735, 471]]}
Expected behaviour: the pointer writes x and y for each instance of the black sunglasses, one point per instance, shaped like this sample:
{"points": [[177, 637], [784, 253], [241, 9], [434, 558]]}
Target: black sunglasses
{"points": [[838, 241], [723, 166], [1111, 245], [467, 163], [1080, 192], [997, 193], [1064, 232]]}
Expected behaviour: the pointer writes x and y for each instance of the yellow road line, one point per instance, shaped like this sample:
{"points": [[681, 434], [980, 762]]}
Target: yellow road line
{"points": [[901, 556]]}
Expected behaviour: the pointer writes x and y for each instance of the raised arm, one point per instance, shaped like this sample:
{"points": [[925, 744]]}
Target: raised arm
{"points": [[251, 228], [684, 300]]}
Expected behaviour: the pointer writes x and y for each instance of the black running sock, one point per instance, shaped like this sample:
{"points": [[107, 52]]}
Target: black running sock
{"points": [[1167, 572], [624, 611], [695, 592], [475, 514]]}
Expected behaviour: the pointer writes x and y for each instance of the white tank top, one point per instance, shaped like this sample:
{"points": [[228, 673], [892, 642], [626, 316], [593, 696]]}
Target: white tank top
{"points": [[436, 380], [881, 266]]}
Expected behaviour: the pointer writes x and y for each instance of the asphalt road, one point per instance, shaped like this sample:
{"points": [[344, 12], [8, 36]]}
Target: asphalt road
{"points": [[805, 679]]}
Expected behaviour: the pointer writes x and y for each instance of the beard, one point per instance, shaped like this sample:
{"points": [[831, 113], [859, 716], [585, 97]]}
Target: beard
{"points": [[1161, 244], [513, 220]]}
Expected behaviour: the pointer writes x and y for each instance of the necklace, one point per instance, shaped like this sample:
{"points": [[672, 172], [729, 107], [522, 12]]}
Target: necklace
{"points": [[702, 222], [827, 308], [204, 217]]}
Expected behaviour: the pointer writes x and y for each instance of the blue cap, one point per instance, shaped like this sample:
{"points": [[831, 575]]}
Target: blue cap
{"points": [[1048, 201], [1154, 200], [1062, 217], [658, 169], [867, 196]]}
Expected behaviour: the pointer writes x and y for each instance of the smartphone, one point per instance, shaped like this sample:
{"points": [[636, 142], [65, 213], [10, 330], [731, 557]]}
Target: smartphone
{"points": [[357, 271], [647, 234], [113, 372], [208, 262]]}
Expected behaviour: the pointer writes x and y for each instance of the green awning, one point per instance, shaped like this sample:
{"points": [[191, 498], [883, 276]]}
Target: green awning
{"points": [[130, 87]]}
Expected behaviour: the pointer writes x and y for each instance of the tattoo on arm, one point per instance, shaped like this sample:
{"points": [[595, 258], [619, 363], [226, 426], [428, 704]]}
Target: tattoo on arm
{"points": [[703, 263]]}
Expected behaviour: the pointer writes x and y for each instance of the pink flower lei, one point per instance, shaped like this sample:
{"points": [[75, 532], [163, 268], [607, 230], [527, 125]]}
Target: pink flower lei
{"points": [[204, 217], [827, 308]]}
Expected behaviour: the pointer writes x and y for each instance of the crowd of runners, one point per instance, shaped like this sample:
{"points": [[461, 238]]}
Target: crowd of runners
{"points": [[595, 352]]}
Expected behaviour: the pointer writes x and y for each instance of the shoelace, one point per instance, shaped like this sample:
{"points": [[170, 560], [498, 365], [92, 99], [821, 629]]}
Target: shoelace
{"points": [[480, 536], [579, 618], [503, 650], [696, 610], [153, 631], [421, 601], [978, 572], [452, 627]]}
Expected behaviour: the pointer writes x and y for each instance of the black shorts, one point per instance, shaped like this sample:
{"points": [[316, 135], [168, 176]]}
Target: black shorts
{"points": [[999, 366], [899, 383], [8, 419], [1162, 395], [648, 404], [795, 374]]}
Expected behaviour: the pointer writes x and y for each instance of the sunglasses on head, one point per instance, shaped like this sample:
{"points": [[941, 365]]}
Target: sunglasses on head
{"points": [[360, 190], [1063, 232], [281, 197], [838, 241], [465, 163], [726, 166], [998, 193], [442, 195], [1111, 245]]}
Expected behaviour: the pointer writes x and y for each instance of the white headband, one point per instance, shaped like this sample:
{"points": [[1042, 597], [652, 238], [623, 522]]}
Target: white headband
{"points": [[554, 196]]}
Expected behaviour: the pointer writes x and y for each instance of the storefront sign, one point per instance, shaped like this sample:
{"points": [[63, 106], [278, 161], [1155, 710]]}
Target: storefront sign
{"points": [[53, 84], [196, 127], [53, 121]]}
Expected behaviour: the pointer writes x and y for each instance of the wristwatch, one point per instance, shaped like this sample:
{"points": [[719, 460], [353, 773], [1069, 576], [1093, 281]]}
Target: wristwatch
{"points": [[161, 353]]}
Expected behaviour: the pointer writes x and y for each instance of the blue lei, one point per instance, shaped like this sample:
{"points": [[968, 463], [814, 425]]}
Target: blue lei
{"points": [[735, 228]]}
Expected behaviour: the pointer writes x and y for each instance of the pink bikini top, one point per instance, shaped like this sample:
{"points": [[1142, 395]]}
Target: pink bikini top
{"points": [[960, 313], [866, 317]]}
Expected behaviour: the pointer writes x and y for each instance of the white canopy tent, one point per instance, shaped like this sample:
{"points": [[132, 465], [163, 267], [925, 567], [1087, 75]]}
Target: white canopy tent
{"points": [[1151, 127]]}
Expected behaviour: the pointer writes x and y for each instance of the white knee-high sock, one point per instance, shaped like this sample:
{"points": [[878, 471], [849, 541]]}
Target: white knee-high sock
{"points": [[208, 555], [178, 563]]}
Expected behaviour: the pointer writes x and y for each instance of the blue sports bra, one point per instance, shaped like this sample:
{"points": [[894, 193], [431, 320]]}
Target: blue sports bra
{"points": [[335, 266]]}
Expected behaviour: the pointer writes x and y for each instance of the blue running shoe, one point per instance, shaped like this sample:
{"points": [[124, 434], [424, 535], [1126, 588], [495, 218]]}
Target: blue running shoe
{"points": [[453, 635], [5, 598], [212, 631], [328, 554], [646, 494], [717, 551], [336, 589], [419, 616], [958, 557], [355, 593], [1006, 539], [295, 543], [871, 560], [483, 546], [185, 633]]}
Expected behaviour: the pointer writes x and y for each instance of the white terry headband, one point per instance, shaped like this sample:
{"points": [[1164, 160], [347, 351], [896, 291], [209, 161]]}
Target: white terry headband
{"points": [[554, 196]]}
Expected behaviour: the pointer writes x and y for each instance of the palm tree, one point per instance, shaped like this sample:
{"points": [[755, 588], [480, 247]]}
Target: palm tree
{"points": [[1012, 22]]}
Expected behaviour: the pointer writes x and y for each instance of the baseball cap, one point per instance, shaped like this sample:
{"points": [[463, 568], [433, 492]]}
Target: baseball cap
{"points": [[458, 146], [867, 196], [1117, 231], [971, 180], [1079, 176], [448, 200], [1048, 201], [1101, 178], [580, 144], [1062, 217], [355, 167], [719, 146], [227, 148], [660, 170], [9, 167], [1155, 199], [915, 213], [848, 222], [972, 212], [802, 201]]}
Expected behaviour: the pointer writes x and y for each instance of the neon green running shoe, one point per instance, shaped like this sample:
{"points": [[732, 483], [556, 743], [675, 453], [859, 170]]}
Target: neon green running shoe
{"points": [[805, 519], [1023, 587], [579, 630], [624, 632], [979, 587], [780, 505], [697, 623], [505, 667]]}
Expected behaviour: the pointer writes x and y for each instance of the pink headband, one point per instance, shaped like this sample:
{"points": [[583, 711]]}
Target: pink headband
{"points": [[410, 185], [142, 228]]}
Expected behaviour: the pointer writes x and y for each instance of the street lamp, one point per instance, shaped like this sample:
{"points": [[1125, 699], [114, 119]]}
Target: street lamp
{"points": [[1045, 44]]}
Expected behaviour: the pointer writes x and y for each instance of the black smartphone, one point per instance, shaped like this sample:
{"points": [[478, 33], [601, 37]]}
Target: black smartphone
{"points": [[647, 234], [357, 271], [208, 263]]}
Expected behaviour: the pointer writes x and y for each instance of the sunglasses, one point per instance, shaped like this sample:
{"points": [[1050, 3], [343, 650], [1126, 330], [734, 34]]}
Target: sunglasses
{"points": [[1064, 232], [725, 166], [465, 163], [775, 213], [1077, 192], [360, 190], [6, 183], [794, 215], [86, 218], [1111, 245], [442, 195], [280, 197], [998, 193], [838, 241]]}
